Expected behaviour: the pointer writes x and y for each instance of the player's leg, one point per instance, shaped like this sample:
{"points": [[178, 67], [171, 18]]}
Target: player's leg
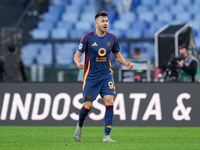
{"points": [[108, 92], [82, 116], [90, 92], [84, 112], [109, 115]]}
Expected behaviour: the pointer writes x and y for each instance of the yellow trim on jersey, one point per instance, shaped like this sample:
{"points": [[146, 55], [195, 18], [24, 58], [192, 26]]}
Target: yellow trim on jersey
{"points": [[110, 67], [86, 74]]}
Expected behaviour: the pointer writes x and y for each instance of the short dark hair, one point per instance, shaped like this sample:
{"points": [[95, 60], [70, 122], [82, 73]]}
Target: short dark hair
{"points": [[11, 47], [137, 50], [183, 46], [102, 13]]}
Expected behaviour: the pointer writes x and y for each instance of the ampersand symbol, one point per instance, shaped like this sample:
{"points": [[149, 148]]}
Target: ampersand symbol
{"points": [[181, 108]]}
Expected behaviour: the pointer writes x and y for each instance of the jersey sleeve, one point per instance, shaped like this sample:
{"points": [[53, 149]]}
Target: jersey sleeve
{"points": [[116, 47], [83, 44]]}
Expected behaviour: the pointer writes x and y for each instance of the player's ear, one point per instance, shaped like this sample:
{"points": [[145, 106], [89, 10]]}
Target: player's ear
{"points": [[96, 22]]}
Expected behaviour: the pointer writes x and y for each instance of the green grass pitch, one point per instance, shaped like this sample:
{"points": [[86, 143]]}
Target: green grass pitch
{"points": [[128, 138]]}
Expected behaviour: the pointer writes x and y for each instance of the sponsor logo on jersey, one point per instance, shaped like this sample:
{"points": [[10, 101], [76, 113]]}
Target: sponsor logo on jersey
{"points": [[94, 44], [102, 52], [108, 43]]}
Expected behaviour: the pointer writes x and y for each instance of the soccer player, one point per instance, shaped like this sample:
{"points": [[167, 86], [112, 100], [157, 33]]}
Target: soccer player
{"points": [[98, 75]]}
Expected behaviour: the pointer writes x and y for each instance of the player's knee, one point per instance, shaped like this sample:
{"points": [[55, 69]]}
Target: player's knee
{"points": [[108, 100], [88, 105], [109, 103]]}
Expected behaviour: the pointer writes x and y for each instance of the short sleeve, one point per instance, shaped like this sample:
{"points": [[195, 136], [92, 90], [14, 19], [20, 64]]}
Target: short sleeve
{"points": [[116, 47], [83, 44]]}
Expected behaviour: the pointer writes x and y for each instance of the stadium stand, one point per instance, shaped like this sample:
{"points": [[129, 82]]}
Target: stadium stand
{"points": [[29, 53], [70, 19], [40, 33], [10, 9], [59, 33], [63, 58]]}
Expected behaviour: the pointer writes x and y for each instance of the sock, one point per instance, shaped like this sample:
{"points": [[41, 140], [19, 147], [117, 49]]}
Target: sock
{"points": [[108, 119], [82, 115]]}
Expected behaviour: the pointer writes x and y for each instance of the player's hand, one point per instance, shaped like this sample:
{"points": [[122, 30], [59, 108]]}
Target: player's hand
{"points": [[130, 65], [81, 65]]}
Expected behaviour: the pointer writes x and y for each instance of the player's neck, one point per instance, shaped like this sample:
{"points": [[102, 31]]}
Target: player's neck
{"points": [[100, 33]]}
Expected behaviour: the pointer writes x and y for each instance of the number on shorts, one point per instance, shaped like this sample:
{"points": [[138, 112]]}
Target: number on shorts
{"points": [[111, 85]]}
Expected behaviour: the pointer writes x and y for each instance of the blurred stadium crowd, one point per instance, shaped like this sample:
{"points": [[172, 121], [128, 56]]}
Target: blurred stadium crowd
{"points": [[129, 19], [71, 19]]}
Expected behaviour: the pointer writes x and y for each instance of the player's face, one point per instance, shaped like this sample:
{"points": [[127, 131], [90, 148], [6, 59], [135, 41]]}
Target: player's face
{"points": [[102, 23]]}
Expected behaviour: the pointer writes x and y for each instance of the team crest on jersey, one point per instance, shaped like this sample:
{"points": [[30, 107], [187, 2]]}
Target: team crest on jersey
{"points": [[108, 43], [94, 44], [80, 46], [89, 96]]}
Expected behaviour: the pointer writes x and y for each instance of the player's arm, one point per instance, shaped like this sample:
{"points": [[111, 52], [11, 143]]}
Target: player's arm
{"points": [[122, 61], [77, 60]]}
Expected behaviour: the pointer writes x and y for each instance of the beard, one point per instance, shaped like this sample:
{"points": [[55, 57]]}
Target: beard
{"points": [[102, 29]]}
